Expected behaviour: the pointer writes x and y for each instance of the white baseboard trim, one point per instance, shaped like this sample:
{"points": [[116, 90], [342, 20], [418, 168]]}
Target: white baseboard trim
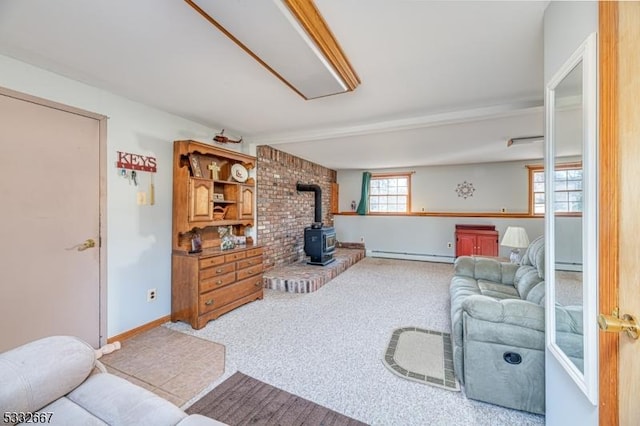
{"points": [[410, 256]]}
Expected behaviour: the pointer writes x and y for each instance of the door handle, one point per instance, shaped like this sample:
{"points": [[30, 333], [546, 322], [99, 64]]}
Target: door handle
{"points": [[614, 323], [90, 243]]}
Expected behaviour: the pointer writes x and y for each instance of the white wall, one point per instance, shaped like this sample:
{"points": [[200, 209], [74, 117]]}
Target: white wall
{"points": [[566, 26], [418, 237], [497, 185], [138, 237]]}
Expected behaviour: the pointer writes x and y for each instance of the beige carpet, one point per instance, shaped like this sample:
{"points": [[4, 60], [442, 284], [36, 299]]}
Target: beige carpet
{"points": [[423, 356], [326, 346]]}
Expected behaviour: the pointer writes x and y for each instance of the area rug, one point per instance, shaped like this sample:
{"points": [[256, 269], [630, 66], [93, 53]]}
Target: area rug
{"points": [[423, 356], [183, 367], [243, 400]]}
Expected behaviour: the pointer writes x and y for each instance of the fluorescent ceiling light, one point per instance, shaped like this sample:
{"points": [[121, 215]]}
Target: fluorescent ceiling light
{"points": [[524, 140], [289, 38]]}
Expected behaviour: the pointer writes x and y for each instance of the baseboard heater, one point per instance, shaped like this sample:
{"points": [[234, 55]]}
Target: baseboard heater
{"points": [[411, 256], [576, 267]]}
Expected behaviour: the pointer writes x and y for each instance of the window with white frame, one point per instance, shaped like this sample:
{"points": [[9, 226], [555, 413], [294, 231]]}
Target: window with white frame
{"points": [[390, 193], [567, 183]]}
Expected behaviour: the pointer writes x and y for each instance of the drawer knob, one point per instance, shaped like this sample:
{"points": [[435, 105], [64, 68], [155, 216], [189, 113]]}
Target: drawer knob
{"points": [[209, 302], [218, 270], [218, 282], [258, 284]]}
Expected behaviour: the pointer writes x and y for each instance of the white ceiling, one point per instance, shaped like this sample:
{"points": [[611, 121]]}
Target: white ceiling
{"points": [[443, 82]]}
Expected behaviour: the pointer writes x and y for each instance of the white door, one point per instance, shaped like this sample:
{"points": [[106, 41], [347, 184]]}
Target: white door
{"points": [[50, 205]]}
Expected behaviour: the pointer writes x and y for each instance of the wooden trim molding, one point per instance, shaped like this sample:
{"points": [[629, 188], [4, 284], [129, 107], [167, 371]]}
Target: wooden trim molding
{"points": [[316, 28], [314, 24], [532, 168], [609, 202], [335, 196], [401, 175], [449, 214], [224, 31], [135, 331], [559, 166]]}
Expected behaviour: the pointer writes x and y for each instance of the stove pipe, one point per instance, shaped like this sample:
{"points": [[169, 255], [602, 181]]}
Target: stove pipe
{"points": [[317, 217]]}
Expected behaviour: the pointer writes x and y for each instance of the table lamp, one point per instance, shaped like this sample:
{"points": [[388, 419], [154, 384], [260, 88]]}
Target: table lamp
{"points": [[516, 238]]}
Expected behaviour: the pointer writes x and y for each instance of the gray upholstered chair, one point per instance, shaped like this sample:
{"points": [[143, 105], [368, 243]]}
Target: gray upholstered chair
{"points": [[498, 329]]}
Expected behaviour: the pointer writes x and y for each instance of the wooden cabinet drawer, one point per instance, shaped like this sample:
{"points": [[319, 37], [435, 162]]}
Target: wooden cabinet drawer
{"points": [[253, 270], [225, 295], [217, 270], [234, 256], [254, 252], [216, 282], [253, 261], [211, 261]]}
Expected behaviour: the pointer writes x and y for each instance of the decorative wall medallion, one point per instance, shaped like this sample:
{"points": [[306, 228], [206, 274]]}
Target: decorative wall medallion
{"points": [[465, 189]]}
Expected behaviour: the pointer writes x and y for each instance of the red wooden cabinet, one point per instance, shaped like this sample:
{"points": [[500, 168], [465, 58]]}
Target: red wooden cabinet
{"points": [[476, 240]]}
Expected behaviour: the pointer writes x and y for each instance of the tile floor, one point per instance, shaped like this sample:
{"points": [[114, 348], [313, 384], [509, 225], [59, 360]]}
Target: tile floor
{"points": [[173, 365]]}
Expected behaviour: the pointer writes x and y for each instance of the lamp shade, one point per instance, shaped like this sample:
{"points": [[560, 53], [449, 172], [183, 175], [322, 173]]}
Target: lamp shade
{"points": [[515, 237]]}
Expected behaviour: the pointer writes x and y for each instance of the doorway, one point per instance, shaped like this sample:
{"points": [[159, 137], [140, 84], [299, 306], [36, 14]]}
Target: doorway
{"points": [[53, 192]]}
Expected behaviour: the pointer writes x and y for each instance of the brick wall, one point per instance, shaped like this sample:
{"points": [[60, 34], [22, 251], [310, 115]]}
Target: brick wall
{"points": [[283, 212]]}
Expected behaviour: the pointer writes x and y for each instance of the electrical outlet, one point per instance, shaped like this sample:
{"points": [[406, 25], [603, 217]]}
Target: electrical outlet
{"points": [[362, 239], [449, 245], [151, 294]]}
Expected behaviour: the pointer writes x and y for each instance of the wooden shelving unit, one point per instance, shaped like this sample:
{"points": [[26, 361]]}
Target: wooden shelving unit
{"points": [[195, 197], [212, 282]]}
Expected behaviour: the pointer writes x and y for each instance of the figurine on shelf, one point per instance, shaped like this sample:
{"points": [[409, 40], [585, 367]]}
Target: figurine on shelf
{"points": [[247, 232], [196, 243], [214, 169], [226, 238], [221, 138]]}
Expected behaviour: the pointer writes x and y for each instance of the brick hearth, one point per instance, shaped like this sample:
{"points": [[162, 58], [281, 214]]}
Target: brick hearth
{"points": [[302, 278]]}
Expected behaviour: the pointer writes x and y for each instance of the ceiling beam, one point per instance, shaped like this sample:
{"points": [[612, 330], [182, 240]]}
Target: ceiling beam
{"points": [[409, 123]]}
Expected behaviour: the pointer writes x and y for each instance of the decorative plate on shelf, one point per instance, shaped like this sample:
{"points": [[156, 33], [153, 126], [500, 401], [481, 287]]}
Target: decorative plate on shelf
{"points": [[239, 172]]}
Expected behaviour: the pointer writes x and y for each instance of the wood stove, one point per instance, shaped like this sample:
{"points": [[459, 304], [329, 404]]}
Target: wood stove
{"points": [[319, 244], [319, 240]]}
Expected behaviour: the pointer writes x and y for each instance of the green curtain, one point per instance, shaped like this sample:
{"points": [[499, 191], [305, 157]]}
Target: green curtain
{"points": [[363, 206]]}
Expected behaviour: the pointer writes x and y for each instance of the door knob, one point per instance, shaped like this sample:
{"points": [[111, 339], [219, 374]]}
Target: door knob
{"points": [[87, 244], [615, 324]]}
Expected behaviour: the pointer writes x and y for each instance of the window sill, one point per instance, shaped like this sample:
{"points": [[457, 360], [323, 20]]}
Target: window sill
{"points": [[449, 214]]}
